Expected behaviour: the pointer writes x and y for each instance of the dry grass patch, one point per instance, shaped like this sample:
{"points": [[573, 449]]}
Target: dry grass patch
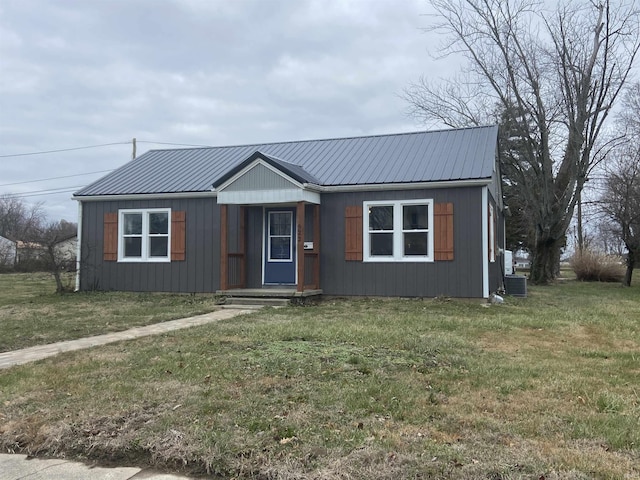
{"points": [[543, 386]]}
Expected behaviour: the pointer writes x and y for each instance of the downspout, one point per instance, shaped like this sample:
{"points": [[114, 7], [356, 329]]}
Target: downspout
{"points": [[79, 246], [485, 242]]}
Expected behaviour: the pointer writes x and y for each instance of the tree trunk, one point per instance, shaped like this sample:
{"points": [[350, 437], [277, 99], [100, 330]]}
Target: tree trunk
{"points": [[631, 263], [54, 268], [546, 261]]}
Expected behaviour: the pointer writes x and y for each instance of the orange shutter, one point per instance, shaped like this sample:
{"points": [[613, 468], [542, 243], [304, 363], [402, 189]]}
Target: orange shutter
{"points": [[353, 233], [178, 236], [443, 231], [110, 253]]}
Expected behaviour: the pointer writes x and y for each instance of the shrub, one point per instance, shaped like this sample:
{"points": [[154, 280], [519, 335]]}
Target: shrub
{"points": [[590, 266]]}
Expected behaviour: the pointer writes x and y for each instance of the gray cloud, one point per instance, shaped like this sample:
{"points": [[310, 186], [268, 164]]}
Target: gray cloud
{"points": [[206, 72]]}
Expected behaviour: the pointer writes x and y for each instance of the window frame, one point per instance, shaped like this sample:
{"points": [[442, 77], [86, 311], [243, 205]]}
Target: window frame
{"points": [[290, 236], [398, 231], [145, 235]]}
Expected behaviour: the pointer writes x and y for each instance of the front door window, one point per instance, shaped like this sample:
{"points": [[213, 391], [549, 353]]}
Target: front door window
{"points": [[280, 236]]}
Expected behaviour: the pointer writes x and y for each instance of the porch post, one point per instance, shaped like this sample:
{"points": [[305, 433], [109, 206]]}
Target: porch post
{"points": [[316, 245], [300, 244], [243, 247], [224, 261]]}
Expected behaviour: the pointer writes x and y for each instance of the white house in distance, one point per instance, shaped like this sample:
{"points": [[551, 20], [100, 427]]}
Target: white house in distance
{"points": [[522, 262], [8, 251]]}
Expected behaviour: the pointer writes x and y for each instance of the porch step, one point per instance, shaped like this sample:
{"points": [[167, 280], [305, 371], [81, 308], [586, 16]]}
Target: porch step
{"points": [[242, 307], [237, 302]]}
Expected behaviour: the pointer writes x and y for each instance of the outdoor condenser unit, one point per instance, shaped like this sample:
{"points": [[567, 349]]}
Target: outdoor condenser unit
{"points": [[515, 285]]}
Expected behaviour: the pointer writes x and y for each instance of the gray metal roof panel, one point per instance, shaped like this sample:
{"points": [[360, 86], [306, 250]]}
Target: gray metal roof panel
{"points": [[442, 155]]}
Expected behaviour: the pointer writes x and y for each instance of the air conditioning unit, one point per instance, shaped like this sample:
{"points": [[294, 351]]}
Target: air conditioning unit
{"points": [[508, 262], [515, 285]]}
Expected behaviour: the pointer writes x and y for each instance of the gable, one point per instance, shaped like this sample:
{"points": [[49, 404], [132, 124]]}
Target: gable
{"points": [[259, 182], [259, 177]]}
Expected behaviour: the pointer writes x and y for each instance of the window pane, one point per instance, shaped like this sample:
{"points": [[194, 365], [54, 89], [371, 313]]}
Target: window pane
{"points": [[381, 244], [415, 217], [133, 247], [280, 248], [415, 243], [159, 222], [133, 224], [381, 218], [280, 223], [158, 246]]}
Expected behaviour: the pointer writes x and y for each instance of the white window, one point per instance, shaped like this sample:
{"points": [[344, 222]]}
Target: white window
{"points": [[398, 231], [144, 235]]}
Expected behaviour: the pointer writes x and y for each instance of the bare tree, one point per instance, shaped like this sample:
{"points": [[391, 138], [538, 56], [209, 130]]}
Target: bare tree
{"points": [[620, 201], [18, 220], [50, 237], [559, 73]]}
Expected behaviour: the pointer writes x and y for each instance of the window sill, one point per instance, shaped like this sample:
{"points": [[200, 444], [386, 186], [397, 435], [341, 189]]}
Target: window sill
{"points": [[144, 260], [398, 260]]}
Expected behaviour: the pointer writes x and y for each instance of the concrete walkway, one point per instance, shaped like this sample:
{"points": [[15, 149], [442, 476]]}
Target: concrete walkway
{"points": [[21, 467], [31, 354], [18, 467]]}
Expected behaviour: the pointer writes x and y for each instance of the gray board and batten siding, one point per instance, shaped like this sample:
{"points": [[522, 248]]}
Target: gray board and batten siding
{"points": [[200, 272], [461, 277]]}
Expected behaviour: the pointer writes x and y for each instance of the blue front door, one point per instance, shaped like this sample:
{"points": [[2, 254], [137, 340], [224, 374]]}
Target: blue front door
{"points": [[279, 246]]}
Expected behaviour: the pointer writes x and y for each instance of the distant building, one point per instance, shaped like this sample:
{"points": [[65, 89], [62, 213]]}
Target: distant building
{"points": [[523, 262], [8, 252]]}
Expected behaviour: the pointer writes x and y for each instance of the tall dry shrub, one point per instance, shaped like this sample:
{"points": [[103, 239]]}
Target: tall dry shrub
{"points": [[590, 266]]}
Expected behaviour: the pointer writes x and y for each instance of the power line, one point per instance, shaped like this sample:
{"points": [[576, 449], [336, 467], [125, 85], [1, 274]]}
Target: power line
{"points": [[176, 144], [98, 146], [63, 150], [50, 191], [53, 178]]}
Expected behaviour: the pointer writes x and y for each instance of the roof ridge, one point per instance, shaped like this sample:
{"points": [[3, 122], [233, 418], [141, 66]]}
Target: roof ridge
{"points": [[330, 139]]}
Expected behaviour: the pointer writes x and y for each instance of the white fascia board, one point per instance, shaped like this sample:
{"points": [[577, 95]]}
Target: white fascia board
{"points": [[251, 166], [143, 196], [265, 197], [480, 182], [306, 187]]}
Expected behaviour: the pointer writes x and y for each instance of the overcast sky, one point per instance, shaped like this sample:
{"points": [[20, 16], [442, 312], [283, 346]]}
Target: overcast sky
{"points": [[199, 72]]}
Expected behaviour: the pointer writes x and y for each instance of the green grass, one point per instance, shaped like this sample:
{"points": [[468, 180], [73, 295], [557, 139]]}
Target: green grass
{"points": [[31, 313], [541, 386]]}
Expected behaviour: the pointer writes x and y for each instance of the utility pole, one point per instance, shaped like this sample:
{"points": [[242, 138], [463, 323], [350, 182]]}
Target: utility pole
{"points": [[133, 153]]}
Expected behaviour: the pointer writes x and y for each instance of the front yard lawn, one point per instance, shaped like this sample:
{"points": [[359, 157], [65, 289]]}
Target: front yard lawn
{"points": [[31, 313], [542, 387]]}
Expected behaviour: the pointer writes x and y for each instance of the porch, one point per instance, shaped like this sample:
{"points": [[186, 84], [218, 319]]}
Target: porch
{"points": [[246, 251]]}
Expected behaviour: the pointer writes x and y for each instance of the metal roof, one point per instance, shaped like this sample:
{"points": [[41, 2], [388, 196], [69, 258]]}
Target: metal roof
{"points": [[456, 154]]}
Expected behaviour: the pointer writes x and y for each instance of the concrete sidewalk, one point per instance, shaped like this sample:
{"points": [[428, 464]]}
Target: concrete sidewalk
{"points": [[31, 354], [21, 467], [18, 467]]}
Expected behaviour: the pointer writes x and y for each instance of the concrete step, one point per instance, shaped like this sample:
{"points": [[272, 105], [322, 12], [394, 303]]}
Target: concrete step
{"points": [[257, 301], [242, 307]]}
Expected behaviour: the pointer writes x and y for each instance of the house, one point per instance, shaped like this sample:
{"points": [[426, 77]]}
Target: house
{"points": [[8, 252], [28, 251], [523, 262], [412, 215], [66, 251]]}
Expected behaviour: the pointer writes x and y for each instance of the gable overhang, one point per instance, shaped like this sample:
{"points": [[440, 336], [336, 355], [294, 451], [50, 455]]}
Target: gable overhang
{"points": [[142, 196], [374, 187], [260, 182], [318, 189]]}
